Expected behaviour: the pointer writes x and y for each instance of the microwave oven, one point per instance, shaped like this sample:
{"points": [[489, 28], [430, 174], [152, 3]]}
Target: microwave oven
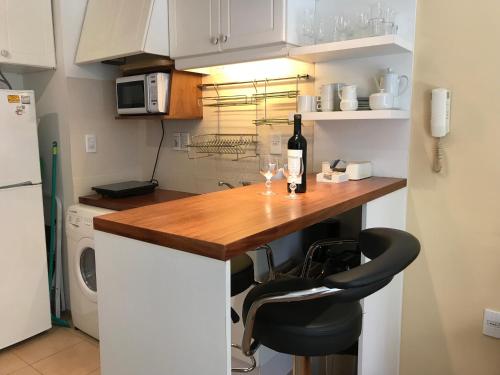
{"points": [[143, 94]]}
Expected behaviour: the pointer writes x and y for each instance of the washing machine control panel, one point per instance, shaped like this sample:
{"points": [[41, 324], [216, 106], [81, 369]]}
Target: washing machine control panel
{"points": [[74, 218]]}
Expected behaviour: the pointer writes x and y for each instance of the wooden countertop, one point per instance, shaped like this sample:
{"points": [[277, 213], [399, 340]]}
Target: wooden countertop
{"points": [[127, 203], [224, 224]]}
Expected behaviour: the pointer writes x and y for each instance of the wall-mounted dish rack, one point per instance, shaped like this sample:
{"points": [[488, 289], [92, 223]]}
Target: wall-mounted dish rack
{"points": [[240, 145]]}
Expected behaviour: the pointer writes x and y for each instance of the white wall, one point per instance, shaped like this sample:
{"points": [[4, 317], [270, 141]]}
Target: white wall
{"points": [[454, 213], [177, 171]]}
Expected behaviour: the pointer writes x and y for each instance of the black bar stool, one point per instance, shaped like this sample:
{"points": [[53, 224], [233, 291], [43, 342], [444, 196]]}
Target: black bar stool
{"points": [[306, 317]]}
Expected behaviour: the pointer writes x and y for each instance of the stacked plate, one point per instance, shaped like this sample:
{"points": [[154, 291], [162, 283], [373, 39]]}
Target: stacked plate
{"points": [[363, 104]]}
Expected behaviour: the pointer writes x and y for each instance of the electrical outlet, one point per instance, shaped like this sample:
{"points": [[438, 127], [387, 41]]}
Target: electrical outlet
{"points": [[177, 142], [185, 140], [90, 143], [491, 323], [275, 148]]}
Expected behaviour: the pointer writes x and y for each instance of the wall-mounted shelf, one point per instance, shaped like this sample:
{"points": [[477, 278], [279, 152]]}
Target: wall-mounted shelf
{"points": [[352, 49], [184, 103], [156, 117], [355, 115]]}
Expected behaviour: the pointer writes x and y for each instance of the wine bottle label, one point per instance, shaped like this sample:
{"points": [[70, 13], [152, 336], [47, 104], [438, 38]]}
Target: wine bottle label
{"points": [[294, 157]]}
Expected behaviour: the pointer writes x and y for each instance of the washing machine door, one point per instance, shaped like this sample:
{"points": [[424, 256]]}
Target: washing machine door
{"points": [[85, 269]]}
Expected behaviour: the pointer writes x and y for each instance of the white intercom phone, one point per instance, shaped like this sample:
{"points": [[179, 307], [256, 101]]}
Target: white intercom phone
{"points": [[440, 121]]}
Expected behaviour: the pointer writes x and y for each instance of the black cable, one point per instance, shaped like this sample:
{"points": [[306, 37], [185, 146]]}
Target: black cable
{"points": [[5, 80], [158, 153]]}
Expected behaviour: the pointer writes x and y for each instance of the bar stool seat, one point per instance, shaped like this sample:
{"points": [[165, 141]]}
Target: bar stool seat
{"points": [[308, 328], [242, 274], [311, 317]]}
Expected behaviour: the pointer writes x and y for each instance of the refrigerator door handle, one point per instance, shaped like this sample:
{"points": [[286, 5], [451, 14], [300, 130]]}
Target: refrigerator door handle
{"points": [[25, 183]]}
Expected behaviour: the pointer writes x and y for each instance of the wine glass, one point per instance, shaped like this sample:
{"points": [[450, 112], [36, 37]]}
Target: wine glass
{"points": [[268, 167], [293, 170]]}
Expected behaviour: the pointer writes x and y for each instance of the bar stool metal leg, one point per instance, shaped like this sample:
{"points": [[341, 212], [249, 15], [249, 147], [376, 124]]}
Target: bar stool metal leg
{"points": [[250, 367], [302, 365]]}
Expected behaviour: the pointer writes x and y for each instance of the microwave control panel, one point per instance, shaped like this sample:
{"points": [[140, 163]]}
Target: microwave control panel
{"points": [[153, 93]]}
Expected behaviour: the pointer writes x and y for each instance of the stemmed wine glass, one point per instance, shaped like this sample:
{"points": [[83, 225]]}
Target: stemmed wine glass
{"points": [[293, 170], [268, 168]]}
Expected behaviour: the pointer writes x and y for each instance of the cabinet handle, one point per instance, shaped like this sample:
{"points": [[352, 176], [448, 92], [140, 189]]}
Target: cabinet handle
{"points": [[214, 40], [224, 38], [4, 53]]}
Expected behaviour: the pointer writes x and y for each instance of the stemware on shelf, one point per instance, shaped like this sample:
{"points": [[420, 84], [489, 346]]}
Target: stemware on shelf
{"points": [[268, 166], [375, 20], [293, 169]]}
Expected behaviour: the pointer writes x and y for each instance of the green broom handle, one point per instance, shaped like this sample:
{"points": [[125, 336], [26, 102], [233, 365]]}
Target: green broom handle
{"points": [[53, 206]]}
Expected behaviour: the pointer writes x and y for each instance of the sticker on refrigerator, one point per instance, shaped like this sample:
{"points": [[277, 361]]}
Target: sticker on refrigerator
{"points": [[25, 99], [13, 99]]}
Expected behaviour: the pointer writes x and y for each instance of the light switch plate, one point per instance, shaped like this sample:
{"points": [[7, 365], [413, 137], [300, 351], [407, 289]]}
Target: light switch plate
{"points": [[275, 147], [491, 323], [177, 142], [90, 143]]}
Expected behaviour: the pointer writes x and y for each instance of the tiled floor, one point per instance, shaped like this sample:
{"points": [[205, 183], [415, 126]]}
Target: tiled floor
{"points": [[60, 351]]}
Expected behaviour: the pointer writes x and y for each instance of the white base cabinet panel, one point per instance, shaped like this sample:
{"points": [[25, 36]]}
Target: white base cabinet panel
{"points": [[379, 343], [161, 311]]}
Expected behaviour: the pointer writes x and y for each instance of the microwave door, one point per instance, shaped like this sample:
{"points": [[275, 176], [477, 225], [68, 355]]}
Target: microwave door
{"points": [[131, 97]]}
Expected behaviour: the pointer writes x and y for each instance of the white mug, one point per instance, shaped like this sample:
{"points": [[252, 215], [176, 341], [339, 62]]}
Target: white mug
{"points": [[306, 103]]}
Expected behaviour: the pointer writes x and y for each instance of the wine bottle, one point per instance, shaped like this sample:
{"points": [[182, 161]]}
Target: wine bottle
{"points": [[297, 147]]}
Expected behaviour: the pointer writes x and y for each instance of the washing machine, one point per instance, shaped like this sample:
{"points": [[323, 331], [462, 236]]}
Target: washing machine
{"points": [[82, 267]]}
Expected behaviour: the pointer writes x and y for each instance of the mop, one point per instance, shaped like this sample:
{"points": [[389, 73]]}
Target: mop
{"points": [[52, 245]]}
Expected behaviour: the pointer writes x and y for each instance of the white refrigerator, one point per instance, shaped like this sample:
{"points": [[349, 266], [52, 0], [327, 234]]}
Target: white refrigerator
{"points": [[24, 291]]}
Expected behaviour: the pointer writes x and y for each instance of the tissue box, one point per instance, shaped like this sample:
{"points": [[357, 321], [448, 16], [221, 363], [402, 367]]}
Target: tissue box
{"points": [[333, 177], [357, 170]]}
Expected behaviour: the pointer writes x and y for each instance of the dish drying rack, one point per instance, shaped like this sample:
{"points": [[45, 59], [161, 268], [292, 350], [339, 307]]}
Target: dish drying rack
{"points": [[240, 145]]}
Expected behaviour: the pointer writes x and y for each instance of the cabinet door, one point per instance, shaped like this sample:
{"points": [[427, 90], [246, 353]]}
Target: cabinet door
{"points": [[252, 23], [113, 28], [194, 27], [26, 33]]}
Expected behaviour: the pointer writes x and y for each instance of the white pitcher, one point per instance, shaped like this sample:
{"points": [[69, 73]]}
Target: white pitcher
{"points": [[349, 98], [393, 83]]}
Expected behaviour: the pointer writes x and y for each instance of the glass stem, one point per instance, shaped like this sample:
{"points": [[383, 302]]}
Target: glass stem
{"points": [[268, 186], [293, 186]]}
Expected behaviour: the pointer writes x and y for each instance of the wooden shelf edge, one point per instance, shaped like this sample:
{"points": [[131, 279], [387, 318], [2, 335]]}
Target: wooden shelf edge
{"points": [[155, 117]]}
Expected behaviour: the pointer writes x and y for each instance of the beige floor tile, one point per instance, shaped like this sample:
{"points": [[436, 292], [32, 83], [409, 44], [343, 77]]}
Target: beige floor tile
{"points": [[9, 362], [85, 337], [26, 371], [80, 359], [46, 344]]}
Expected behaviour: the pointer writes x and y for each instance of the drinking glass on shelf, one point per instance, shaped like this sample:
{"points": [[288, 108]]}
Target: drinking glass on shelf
{"points": [[362, 25], [268, 167], [293, 169], [307, 26], [342, 28]]}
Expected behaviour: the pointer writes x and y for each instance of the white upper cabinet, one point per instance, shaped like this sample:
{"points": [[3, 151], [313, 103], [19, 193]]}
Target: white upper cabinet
{"points": [[119, 28], [26, 33], [251, 23], [215, 32], [194, 27]]}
